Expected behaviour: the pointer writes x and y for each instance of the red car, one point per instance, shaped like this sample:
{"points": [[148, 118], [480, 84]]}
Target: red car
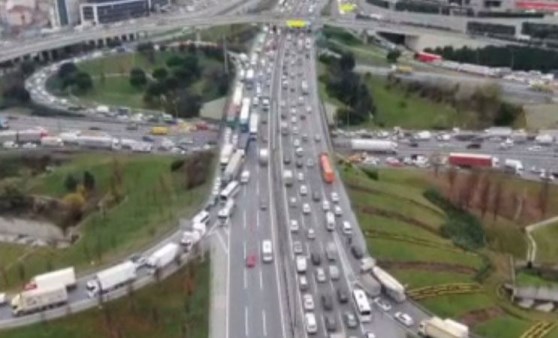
{"points": [[251, 261]]}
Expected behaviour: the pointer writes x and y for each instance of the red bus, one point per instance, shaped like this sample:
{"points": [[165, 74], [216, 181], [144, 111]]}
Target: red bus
{"points": [[327, 170]]}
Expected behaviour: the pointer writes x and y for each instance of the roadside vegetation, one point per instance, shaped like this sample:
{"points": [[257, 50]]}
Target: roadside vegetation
{"points": [[106, 207], [451, 238], [176, 307]]}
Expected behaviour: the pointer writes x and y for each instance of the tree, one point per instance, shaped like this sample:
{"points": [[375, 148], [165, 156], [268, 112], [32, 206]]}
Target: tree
{"points": [[188, 104], [88, 181], [71, 183], [137, 77], [175, 61], [393, 55], [27, 67], [543, 197], [74, 203], [16, 94], [452, 176], [160, 73], [484, 197], [83, 81], [347, 62], [497, 199], [66, 70]]}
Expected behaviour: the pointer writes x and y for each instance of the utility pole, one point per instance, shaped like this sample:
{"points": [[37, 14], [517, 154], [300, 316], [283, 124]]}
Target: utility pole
{"points": [[225, 55]]}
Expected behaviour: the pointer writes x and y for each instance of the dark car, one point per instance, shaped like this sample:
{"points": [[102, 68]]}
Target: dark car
{"points": [[286, 160], [342, 296], [327, 303], [316, 196], [414, 144], [330, 323], [299, 163], [315, 258], [350, 319], [357, 251], [474, 146], [263, 204]]}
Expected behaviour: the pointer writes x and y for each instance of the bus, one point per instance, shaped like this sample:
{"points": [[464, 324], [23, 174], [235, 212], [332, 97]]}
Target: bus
{"points": [[230, 190], [159, 131], [226, 212], [327, 170], [362, 305]]}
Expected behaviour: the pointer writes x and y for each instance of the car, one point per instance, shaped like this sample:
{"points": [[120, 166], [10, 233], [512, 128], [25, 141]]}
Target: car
{"points": [[297, 247], [294, 225], [308, 302], [320, 275], [350, 319], [299, 163], [316, 196], [96, 128], [306, 208], [357, 251], [245, 176], [304, 136], [310, 233], [296, 142], [315, 258], [342, 296], [347, 228], [334, 272], [303, 190], [251, 261], [309, 163], [337, 210], [263, 204], [382, 304], [404, 318], [286, 159], [369, 335], [293, 202], [317, 138], [334, 197], [300, 176], [325, 205], [301, 264], [330, 323], [311, 323], [303, 283]]}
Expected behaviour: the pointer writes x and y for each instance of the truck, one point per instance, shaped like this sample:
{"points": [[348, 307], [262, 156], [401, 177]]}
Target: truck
{"points": [[254, 123], [513, 166], [370, 285], [97, 142], [4, 124], [366, 264], [233, 168], [243, 142], [189, 238], [225, 213], [374, 146], [244, 118], [466, 160], [436, 327], [65, 277], [235, 104], [30, 135], [264, 156], [38, 299], [398, 69], [304, 87], [226, 153], [112, 278], [391, 286], [52, 141], [163, 256], [288, 178], [249, 80]]}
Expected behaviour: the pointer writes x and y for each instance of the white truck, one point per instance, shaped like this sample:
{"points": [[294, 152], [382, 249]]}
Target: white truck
{"points": [[63, 277], [436, 327], [225, 213], [366, 264], [370, 285], [264, 156], [374, 146], [38, 299], [112, 278], [189, 238], [391, 286], [163, 256], [513, 166], [226, 153], [97, 142], [233, 167], [288, 178], [52, 141]]}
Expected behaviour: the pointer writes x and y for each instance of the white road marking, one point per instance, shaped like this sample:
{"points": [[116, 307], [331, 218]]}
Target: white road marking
{"points": [[222, 242], [257, 219], [244, 218], [261, 280], [264, 322], [244, 247], [246, 321], [228, 288], [245, 280]]}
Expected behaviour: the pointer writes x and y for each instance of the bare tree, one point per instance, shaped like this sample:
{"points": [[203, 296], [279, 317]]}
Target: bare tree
{"points": [[452, 176], [436, 161], [543, 197], [497, 199], [484, 195]]}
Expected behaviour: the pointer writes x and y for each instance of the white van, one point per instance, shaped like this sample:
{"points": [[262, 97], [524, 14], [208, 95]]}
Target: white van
{"points": [[330, 221], [311, 325], [301, 264], [267, 251], [347, 228]]}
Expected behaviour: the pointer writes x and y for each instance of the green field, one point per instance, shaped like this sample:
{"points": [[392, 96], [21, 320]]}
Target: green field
{"points": [[161, 310], [154, 199], [524, 278], [420, 257], [546, 238]]}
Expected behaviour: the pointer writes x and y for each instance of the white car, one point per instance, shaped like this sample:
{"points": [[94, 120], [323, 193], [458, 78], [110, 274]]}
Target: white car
{"points": [[301, 264], [325, 205], [311, 324], [334, 197], [382, 304], [306, 208], [404, 318], [320, 275], [245, 176], [308, 301], [337, 210], [311, 233], [294, 225], [303, 283], [317, 138], [303, 190], [300, 176]]}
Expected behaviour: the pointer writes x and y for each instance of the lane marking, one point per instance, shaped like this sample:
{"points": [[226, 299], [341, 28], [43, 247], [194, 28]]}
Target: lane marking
{"points": [[245, 279], [261, 280], [244, 218], [264, 322], [246, 321], [222, 242]]}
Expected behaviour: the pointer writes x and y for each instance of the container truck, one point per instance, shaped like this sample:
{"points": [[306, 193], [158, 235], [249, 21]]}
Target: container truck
{"points": [[437, 328], [254, 122], [38, 299], [65, 277], [30, 136], [391, 286], [244, 118], [243, 142], [249, 80], [235, 104], [370, 285], [264, 156], [233, 167], [401, 69], [163, 256], [472, 160], [374, 146], [112, 278], [50, 141], [97, 142], [226, 153]]}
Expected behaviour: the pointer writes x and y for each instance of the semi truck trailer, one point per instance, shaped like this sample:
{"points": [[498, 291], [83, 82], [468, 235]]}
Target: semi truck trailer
{"points": [[233, 167], [38, 299], [63, 277], [163, 256], [472, 160], [374, 146], [112, 278], [442, 328], [391, 286]]}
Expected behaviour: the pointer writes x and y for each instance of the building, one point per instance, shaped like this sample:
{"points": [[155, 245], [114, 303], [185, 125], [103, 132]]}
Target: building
{"points": [[108, 11], [65, 13]]}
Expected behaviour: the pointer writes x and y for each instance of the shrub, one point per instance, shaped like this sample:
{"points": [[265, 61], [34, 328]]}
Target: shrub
{"points": [[371, 173]]}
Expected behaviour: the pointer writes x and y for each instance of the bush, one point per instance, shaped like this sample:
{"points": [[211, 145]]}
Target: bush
{"points": [[371, 173], [464, 229], [176, 164]]}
